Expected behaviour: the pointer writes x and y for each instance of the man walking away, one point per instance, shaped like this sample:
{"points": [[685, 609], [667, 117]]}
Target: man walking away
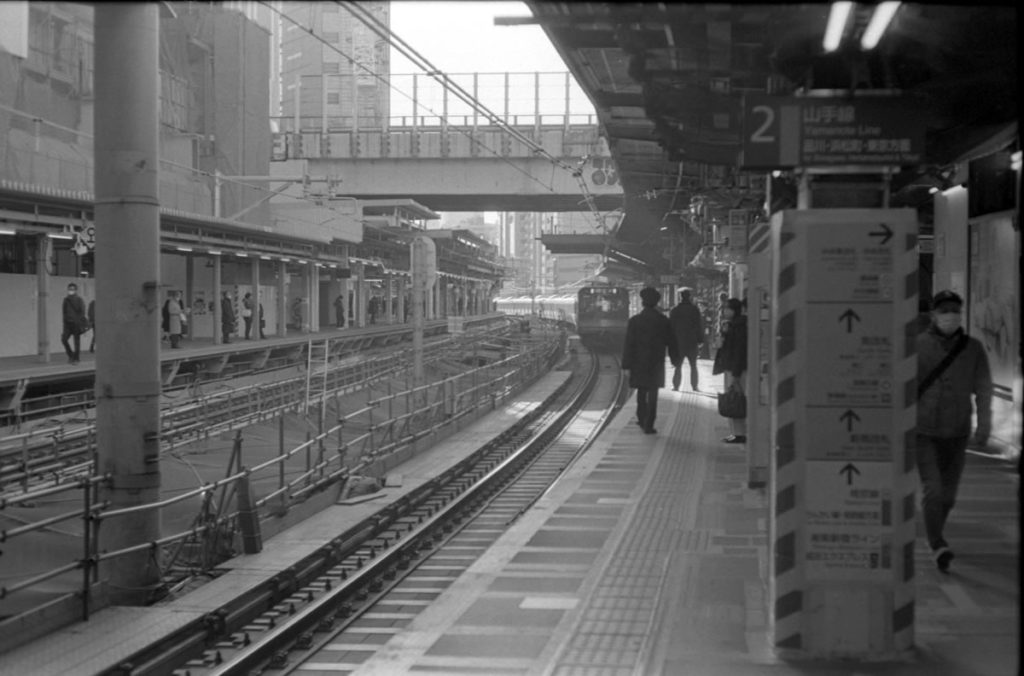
{"points": [[227, 316], [92, 325], [74, 322], [951, 366], [688, 328], [648, 336]]}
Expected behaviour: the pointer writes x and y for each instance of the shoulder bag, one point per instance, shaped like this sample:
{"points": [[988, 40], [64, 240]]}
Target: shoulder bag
{"points": [[927, 381]]}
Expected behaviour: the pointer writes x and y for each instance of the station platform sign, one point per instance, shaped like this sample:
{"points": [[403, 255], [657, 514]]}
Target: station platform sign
{"points": [[786, 132]]}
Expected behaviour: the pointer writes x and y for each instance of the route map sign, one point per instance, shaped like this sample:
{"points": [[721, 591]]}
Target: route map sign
{"points": [[785, 132]]}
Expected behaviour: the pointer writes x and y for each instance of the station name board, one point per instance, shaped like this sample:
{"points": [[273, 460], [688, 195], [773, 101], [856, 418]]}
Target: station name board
{"points": [[786, 132]]}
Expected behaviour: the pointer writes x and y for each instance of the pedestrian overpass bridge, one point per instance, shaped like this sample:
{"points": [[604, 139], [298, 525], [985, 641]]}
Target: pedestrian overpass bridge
{"points": [[453, 167], [455, 158]]}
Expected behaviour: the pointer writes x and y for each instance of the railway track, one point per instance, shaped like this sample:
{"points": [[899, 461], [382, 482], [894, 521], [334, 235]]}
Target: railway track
{"points": [[42, 461], [383, 561]]}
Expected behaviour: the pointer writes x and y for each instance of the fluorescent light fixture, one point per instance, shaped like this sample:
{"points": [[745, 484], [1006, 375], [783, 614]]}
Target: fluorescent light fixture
{"points": [[7, 232], [880, 18], [213, 252], [54, 235], [837, 17], [241, 255], [286, 260], [184, 248], [266, 258]]}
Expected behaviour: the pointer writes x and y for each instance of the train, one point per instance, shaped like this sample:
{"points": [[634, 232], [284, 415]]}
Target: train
{"points": [[601, 316], [599, 313]]}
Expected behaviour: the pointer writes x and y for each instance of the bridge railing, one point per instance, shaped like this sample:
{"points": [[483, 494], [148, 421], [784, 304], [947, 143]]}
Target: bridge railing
{"points": [[346, 123]]}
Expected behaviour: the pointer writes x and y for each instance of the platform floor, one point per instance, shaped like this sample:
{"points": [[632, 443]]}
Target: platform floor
{"points": [[649, 557]]}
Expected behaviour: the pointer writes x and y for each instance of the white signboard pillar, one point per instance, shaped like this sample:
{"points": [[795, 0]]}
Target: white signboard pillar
{"points": [[843, 486], [759, 346]]}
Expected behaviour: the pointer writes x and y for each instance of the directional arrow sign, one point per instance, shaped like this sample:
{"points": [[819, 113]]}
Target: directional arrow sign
{"points": [[849, 416], [849, 316], [849, 470], [885, 234]]}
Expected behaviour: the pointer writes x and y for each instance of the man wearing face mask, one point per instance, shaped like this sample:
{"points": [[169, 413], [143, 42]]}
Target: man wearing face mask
{"points": [[951, 367]]}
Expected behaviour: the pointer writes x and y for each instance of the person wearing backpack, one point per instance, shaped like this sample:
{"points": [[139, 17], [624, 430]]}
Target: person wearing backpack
{"points": [[951, 367]]}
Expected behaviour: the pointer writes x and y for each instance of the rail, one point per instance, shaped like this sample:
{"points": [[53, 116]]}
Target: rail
{"points": [[413, 413]]}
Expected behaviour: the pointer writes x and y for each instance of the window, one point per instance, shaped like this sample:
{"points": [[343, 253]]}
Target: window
{"points": [[332, 67]]}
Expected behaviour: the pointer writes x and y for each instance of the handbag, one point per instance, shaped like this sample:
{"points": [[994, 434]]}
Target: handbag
{"points": [[732, 403]]}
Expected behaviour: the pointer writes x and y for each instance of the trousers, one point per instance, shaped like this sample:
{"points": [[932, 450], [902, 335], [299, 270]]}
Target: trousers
{"points": [[646, 406], [940, 464]]}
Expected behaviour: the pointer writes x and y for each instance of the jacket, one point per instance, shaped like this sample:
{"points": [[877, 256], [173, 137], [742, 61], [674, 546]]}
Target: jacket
{"points": [[687, 325], [732, 356], [227, 312], [944, 409], [73, 315], [648, 336]]}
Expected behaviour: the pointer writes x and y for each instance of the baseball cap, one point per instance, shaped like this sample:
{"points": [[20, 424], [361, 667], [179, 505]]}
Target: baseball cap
{"points": [[946, 296]]}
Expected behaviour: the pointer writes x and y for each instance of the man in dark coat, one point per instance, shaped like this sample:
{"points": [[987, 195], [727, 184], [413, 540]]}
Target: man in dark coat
{"points": [[648, 336], [227, 316], [688, 328], [75, 322]]}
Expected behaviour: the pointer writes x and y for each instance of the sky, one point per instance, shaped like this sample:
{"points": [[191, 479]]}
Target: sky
{"points": [[461, 37]]}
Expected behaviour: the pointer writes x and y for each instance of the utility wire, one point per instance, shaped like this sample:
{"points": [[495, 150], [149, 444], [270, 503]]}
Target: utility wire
{"points": [[384, 80], [381, 29]]}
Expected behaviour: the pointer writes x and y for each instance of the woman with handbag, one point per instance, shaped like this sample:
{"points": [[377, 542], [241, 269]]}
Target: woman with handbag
{"points": [[731, 359]]}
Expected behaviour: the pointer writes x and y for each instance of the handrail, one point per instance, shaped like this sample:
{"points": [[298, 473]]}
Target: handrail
{"points": [[352, 455]]}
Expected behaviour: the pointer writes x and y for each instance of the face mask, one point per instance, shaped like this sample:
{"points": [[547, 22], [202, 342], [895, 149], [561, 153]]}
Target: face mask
{"points": [[947, 323]]}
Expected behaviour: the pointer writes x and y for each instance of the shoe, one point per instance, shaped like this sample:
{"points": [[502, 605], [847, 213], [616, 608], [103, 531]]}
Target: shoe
{"points": [[943, 557], [675, 389], [734, 439], [650, 430]]}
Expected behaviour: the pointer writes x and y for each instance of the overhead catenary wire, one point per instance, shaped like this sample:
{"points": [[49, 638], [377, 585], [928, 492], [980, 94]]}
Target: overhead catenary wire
{"points": [[385, 32], [386, 81]]}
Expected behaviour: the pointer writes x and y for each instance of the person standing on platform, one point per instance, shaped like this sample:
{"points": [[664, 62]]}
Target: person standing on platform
{"points": [[175, 319], [688, 328], [92, 325], [731, 359], [951, 366], [648, 337], [74, 322], [263, 322], [339, 311], [227, 316], [247, 308]]}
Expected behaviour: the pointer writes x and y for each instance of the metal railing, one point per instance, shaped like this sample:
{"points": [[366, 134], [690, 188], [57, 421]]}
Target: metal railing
{"points": [[389, 423]]}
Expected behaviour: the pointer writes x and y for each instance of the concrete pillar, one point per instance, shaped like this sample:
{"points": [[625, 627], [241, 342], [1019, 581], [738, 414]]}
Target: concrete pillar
{"points": [[254, 282], [282, 299], [387, 299], [400, 293], [218, 292], [43, 246], [359, 312], [128, 289], [190, 282]]}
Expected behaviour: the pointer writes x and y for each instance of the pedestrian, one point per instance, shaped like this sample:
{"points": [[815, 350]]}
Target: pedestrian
{"points": [[175, 319], [227, 316], [648, 337], [263, 322], [247, 306], [731, 359], [688, 328], [339, 311], [92, 325], [951, 366], [74, 322]]}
